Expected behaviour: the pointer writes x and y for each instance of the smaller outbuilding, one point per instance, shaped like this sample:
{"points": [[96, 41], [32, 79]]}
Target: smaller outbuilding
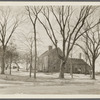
{"points": [[77, 65]]}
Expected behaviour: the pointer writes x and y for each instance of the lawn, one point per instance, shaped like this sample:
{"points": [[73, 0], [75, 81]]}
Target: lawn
{"points": [[21, 83], [50, 78]]}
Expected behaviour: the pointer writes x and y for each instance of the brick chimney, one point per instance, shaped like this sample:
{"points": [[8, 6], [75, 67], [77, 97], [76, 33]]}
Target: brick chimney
{"points": [[50, 48]]}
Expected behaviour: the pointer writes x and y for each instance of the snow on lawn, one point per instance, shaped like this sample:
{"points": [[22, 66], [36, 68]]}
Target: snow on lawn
{"points": [[52, 78], [77, 77], [51, 75]]}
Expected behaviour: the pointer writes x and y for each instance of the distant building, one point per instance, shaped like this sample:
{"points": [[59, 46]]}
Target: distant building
{"points": [[50, 62]]}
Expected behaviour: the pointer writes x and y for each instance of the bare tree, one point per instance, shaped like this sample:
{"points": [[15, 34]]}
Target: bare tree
{"points": [[8, 25], [27, 39], [70, 22], [92, 49], [29, 42], [33, 12]]}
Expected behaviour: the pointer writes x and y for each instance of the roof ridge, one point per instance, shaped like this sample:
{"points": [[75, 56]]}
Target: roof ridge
{"points": [[48, 51]]}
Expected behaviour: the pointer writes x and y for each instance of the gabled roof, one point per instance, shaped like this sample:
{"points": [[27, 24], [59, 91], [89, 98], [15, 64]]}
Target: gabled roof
{"points": [[48, 52], [76, 61]]}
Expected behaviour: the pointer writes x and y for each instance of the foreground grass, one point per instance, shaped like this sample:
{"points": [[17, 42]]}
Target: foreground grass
{"points": [[21, 83], [44, 79]]}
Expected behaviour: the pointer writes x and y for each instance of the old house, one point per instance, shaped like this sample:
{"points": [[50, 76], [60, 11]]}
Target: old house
{"points": [[50, 62]]}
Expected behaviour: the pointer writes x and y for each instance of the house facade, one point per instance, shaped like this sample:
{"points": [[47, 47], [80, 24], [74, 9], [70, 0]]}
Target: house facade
{"points": [[50, 62]]}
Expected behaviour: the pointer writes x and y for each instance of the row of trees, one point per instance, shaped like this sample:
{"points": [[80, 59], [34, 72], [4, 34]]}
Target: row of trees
{"points": [[11, 56], [69, 22], [8, 25]]}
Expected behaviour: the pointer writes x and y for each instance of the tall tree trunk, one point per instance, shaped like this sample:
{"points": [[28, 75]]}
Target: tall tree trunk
{"points": [[30, 69], [3, 61], [10, 68], [10, 64], [31, 63], [35, 51], [62, 65], [17, 66], [71, 69], [93, 70], [3, 65]]}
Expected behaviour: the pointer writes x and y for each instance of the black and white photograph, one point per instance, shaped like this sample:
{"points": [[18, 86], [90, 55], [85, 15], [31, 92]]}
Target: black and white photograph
{"points": [[50, 48]]}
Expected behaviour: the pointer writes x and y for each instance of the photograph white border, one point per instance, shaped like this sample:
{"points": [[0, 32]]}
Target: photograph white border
{"points": [[51, 96]]}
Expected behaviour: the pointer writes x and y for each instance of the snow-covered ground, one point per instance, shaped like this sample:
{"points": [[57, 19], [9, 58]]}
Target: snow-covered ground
{"points": [[52, 78], [49, 83]]}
